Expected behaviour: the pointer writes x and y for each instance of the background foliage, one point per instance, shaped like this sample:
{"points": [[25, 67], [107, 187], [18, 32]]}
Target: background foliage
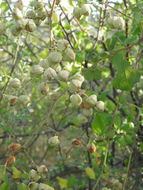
{"points": [[54, 133]]}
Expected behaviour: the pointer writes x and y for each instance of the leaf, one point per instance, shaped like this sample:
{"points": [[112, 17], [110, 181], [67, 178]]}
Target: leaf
{"points": [[2, 173], [90, 173], [131, 39], [62, 182], [101, 122], [126, 80], [22, 186], [71, 3], [119, 61], [4, 186], [4, 6], [92, 73], [16, 173], [55, 17]]}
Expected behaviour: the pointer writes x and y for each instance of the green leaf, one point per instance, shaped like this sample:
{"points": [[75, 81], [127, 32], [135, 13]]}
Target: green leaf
{"points": [[62, 182], [16, 173], [125, 80], [92, 73], [90, 173], [22, 186], [119, 61], [2, 173], [4, 6], [101, 122], [4, 186], [131, 39], [55, 18]]}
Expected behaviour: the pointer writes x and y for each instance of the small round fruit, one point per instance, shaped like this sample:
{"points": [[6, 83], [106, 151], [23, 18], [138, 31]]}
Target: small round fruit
{"points": [[76, 83], [42, 169], [118, 23], [2, 28], [117, 184], [68, 55], [14, 147], [87, 112], [33, 186], [14, 83], [44, 88], [44, 63], [37, 21], [54, 141], [19, 4], [79, 77], [16, 29], [33, 175], [38, 5], [76, 142], [10, 160], [31, 14], [77, 12], [11, 99], [22, 23], [64, 75], [24, 99], [30, 26], [82, 119], [50, 74], [100, 105], [62, 44], [41, 14], [85, 10], [76, 99], [17, 14], [91, 148], [54, 57], [92, 100], [37, 70]]}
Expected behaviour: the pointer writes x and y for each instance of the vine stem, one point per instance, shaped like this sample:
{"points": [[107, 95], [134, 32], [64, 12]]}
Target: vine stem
{"points": [[12, 70], [51, 13], [128, 167], [104, 164]]}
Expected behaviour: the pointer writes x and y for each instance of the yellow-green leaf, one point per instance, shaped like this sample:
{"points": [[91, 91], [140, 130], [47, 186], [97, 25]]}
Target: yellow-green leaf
{"points": [[16, 173], [55, 18], [90, 173], [62, 182]]}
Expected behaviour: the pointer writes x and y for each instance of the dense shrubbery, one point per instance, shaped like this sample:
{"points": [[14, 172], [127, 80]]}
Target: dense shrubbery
{"points": [[71, 95]]}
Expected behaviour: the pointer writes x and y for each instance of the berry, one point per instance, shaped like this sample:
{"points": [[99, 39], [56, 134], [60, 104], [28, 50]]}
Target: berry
{"points": [[42, 169], [62, 44], [53, 141], [37, 70], [82, 119], [44, 88], [75, 99], [68, 55], [100, 105], [14, 83], [77, 12], [24, 99], [30, 26], [92, 100], [54, 57], [64, 75], [91, 148], [50, 74], [85, 10]]}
